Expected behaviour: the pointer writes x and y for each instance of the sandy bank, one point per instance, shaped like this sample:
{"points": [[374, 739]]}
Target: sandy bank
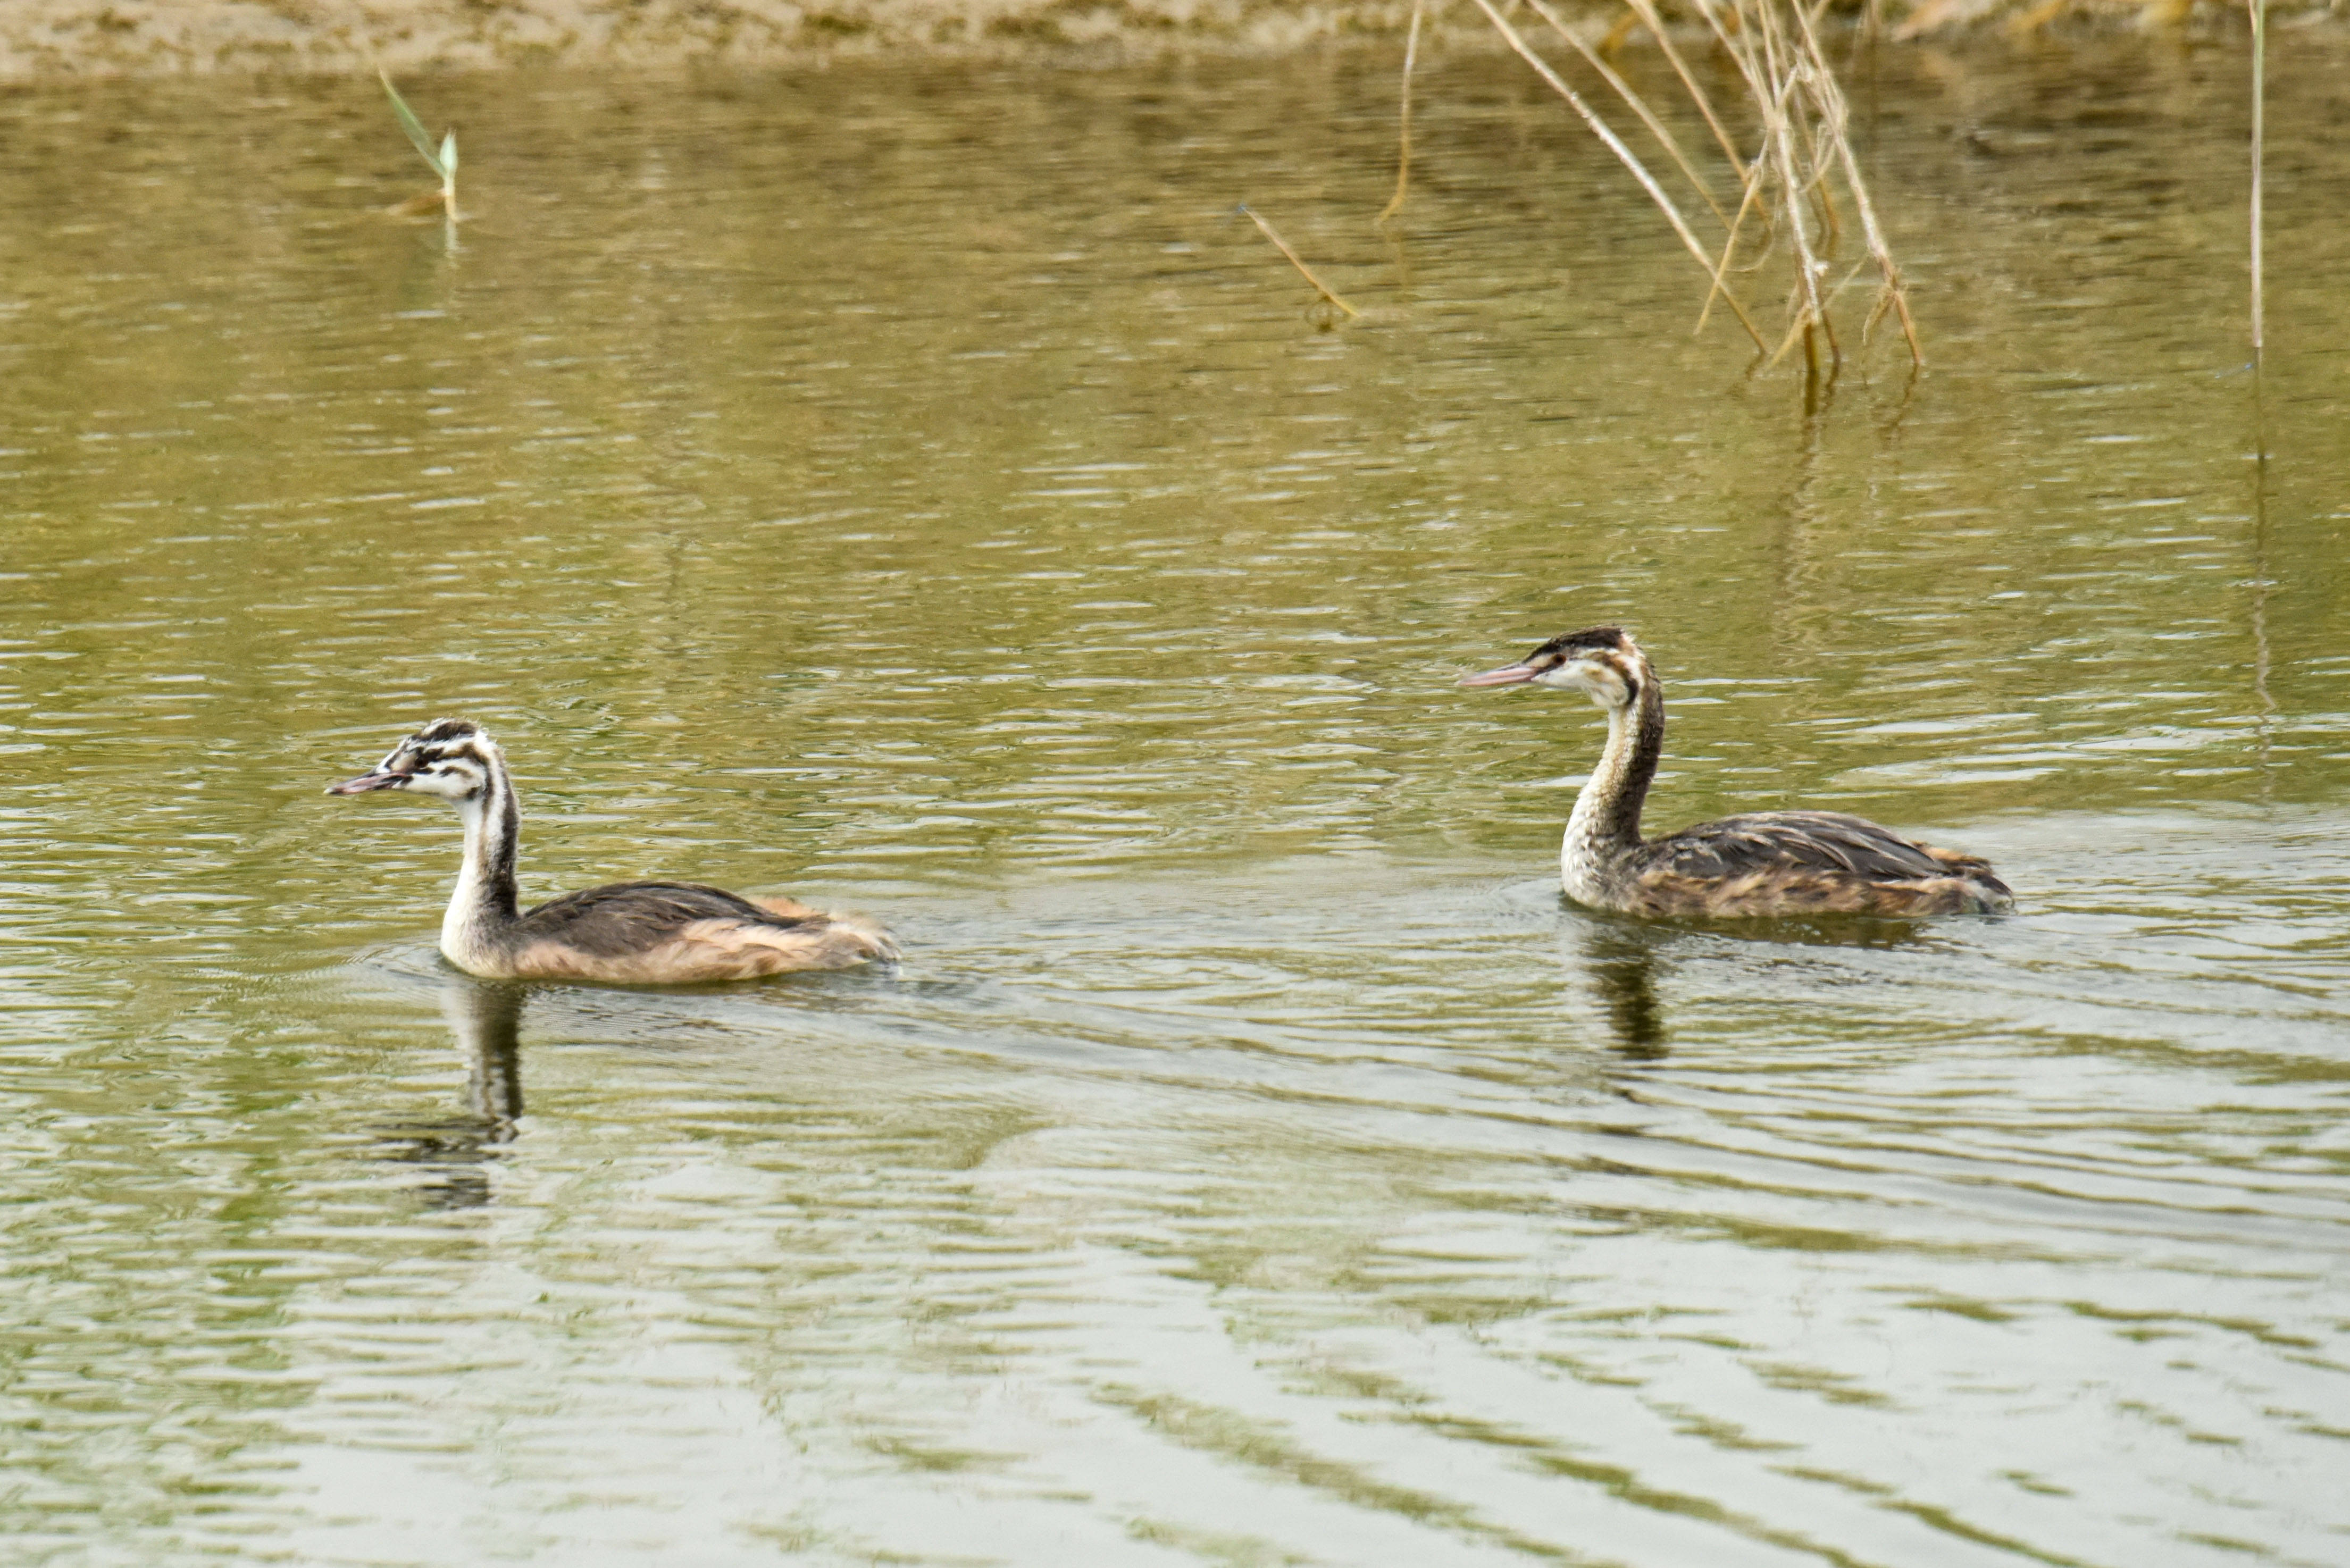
{"points": [[50, 38], [107, 38]]}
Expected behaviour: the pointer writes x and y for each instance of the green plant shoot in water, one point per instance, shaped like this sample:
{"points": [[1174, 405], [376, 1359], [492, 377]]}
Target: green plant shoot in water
{"points": [[442, 162]]}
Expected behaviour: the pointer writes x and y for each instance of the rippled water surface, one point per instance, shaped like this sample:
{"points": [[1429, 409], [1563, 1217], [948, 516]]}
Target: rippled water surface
{"points": [[915, 490]]}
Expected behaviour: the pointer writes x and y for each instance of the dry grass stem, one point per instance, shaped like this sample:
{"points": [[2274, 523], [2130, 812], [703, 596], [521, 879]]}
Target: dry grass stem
{"points": [[1638, 105], [1304, 271], [1645, 11], [1834, 114], [1796, 181], [1624, 155], [2260, 10], [1403, 132], [1807, 152]]}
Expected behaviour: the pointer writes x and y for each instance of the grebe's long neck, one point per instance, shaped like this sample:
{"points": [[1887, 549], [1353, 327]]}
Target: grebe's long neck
{"points": [[481, 911], [1606, 824]]}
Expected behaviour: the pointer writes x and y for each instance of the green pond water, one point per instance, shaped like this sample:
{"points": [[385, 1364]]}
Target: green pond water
{"points": [[915, 490]]}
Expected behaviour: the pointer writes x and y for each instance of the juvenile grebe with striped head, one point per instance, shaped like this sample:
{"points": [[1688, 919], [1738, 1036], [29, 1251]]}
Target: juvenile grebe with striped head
{"points": [[642, 933], [1761, 863]]}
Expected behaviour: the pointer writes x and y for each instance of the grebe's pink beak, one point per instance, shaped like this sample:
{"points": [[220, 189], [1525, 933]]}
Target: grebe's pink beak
{"points": [[1508, 675], [366, 782]]}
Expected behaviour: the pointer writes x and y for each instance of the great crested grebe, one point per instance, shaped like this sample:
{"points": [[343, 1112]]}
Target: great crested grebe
{"points": [[642, 933], [1760, 863]]}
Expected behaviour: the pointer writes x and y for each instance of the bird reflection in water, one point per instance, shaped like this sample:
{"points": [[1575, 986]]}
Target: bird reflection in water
{"points": [[1622, 961], [1623, 968], [486, 1016]]}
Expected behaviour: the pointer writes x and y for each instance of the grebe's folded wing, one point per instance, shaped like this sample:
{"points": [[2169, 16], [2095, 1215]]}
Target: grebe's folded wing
{"points": [[1777, 840], [630, 917]]}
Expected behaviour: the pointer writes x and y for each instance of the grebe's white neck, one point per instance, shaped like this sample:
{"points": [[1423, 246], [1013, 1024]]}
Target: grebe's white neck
{"points": [[1605, 825], [483, 910]]}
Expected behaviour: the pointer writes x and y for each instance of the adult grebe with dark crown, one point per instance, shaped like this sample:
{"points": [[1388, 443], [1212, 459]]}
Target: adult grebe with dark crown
{"points": [[1761, 863], [642, 933]]}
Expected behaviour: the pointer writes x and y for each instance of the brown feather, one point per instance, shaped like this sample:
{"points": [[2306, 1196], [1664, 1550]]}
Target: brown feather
{"points": [[714, 949], [1798, 891], [790, 909], [1792, 862], [674, 933]]}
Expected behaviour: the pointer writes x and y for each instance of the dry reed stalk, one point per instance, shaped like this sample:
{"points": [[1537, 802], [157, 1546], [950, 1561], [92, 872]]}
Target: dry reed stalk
{"points": [[1638, 105], [1645, 11], [1804, 120], [2260, 10], [1795, 184], [1802, 157], [1304, 271], [1893, 294], [1624, 155], [1403, 129]]}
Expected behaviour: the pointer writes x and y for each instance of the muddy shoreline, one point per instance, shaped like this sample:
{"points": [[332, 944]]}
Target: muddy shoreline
{"points": [[54, 38], [50, 39]]}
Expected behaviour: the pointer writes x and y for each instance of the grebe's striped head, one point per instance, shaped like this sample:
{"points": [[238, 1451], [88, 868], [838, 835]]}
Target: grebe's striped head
{"points": [[450, 758], [1601, 662]]}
